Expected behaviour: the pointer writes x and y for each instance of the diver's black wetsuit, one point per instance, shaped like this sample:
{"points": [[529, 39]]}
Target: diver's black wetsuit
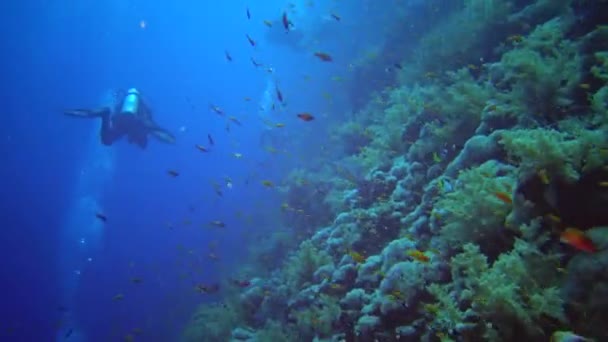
{"points": [[115, 124]]}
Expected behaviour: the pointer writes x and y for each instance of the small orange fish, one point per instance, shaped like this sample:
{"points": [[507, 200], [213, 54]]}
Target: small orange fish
{"points": [[173, 173], [577, 239], [418, 255], [323, 56], [201, 148], [306, 116], [503, 196]]}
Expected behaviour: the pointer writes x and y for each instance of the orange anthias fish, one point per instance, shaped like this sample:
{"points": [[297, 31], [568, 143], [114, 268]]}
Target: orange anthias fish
{"points": [[357, 257], [306, 116], [577, 239], [418, 255], [503, 196], [323, 56]]}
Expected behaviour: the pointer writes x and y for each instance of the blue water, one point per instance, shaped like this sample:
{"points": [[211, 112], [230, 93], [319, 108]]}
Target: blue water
{"points": [[59, 55]]}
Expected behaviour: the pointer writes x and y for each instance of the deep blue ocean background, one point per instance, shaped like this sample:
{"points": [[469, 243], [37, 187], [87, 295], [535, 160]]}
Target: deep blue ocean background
{"points": [[58, 55]]}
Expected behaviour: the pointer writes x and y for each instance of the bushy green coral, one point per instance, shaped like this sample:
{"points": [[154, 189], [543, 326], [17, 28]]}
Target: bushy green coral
{"points": [[601, 69], [352, 136], [317, 320], [212, 322], [543, 69], [464, 98], [274, 332], [599, 104], [473, 212], [371, 157], [301, 266], [457, 108], [506, 295], [460, 37], [561, 154]]}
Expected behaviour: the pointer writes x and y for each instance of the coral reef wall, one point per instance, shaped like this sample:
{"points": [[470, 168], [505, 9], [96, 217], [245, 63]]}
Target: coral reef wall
{"points": [[468, 201]]}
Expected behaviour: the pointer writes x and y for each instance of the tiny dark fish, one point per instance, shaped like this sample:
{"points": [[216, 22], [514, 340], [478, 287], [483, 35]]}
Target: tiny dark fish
{"points": [[210, 139], [335, 16], [228, 56], [217, 223], [255, 63], [68, 333], [216, 109], [305, 117], [173, 173], [251, 41], [398, 66], [101, 217], [201, 148], [323, 56], [236, 121], [285, 21], [248, 13], [207, 289], [279, 95]]}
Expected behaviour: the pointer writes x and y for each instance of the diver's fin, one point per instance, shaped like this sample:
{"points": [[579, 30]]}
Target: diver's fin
{"points": [[163, 135], [86, 113]]}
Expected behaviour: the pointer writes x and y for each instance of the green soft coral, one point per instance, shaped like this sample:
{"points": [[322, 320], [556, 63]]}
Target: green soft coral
{"points": [[213, 322], [562, 154], [274, 331], [544, 69], [472, 212], [317, 320], [460, 37], [501, 297], [301, 266], [601, 69]]}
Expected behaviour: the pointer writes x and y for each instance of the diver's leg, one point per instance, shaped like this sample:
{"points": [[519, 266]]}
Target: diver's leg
{"points": [[107, 132], [163, 135]]}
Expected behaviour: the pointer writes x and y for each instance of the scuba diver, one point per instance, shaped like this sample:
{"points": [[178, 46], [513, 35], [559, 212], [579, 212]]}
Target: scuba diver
{"points": [[130, 117]]}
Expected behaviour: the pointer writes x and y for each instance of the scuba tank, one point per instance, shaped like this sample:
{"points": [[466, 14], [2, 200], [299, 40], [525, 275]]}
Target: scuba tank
{"points": [[130, 105]]}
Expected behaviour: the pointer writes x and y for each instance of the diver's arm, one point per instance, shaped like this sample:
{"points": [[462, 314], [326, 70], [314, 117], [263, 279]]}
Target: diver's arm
{"points": [[88, 113]]}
